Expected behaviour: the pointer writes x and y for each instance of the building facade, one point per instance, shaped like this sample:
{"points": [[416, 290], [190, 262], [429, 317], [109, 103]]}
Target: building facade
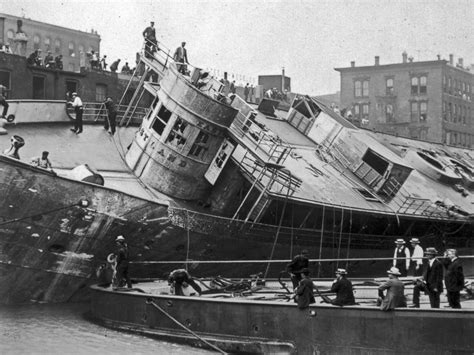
{"points": [[25, 36], [428, 100]]}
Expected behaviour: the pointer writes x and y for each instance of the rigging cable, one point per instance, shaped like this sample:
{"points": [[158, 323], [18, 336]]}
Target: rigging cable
{"points": [[321, 242], [349, 240], [340, 237]]}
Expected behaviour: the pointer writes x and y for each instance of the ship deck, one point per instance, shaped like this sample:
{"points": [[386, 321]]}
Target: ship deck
{"points": [[365, 292]]}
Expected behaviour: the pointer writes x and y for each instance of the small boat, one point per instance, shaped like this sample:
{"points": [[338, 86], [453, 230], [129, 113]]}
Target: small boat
{"points": [[433, 167], [264, 319]]}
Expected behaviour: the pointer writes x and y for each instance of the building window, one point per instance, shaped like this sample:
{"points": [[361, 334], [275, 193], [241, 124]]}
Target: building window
{"points": [[450, 112], [71, 86], [389, 87], [455, 109], [414, 111], [71, 67], [200, 146], [177, 137], [365, 88], [414, 85], [445, 111], [11, 37], [47, 43], [356, 111], [422, 84], [365, 111], [57, 46], [161, 120], [423, 111], [36, 42], [71, 49], [389, 113], [100, 92], [357, 89]]}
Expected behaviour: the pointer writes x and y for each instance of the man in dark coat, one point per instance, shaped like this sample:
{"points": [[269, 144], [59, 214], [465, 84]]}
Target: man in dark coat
{"points": [[304, 294], [180, 278], [149, 34], [110, 121], [294, 268], [343, 289], [453, 277], [401, 257], [431, 282], [122, 259]]}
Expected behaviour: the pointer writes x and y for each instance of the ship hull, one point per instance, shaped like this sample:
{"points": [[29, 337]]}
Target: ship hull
{"points": [[51, 245], [249, 326]]}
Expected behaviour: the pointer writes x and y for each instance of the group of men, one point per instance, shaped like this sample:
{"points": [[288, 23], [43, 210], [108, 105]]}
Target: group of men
{"points": [[392, 292], [48, 62]]}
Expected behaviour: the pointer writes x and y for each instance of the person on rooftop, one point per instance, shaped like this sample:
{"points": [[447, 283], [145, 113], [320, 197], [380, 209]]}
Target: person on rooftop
{"points": [[343, 289], [59, 62], [43, 161], [181, 58], [125, 69], [114, 66], [151, 45], [49, 60]]}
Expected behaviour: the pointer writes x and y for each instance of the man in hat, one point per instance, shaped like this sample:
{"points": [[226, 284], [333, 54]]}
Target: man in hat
{"points": [[453, 277], [181, 58], [49, 60], [431, 282], [343, 289], [401, 257], [122, 258], [304, 294], [77, 105], [395, 296], [149, 34], [416, 266], [294, 268]]}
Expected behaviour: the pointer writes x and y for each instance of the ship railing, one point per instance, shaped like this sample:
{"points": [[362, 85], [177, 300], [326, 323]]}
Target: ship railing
{"points": [[331, 237], [273, 179], [260, 139], [95, 111]]}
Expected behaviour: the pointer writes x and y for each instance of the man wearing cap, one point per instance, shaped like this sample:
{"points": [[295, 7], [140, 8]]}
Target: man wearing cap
{"points": [[77, 104], [294, 268], [395, 296], [401, 257], [149, 34], [416, 266], [453, 277], [122, 262], [431, 282], [181, 58], [304, 294], [343, 289]]}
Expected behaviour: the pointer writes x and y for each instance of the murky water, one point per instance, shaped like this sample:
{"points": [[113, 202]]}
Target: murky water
{"points": [[62, 329]]}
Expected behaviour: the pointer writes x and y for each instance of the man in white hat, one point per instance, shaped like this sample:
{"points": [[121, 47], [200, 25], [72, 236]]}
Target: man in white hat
{"points": [[122, 262], [401, 257], [77, 105], [431, 282], [395, 296], [416, 266], [343, 289]]}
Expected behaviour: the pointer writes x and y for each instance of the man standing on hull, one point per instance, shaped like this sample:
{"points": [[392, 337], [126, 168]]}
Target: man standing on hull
{"points": [[401, 257], [294, 268], [453, 277]]}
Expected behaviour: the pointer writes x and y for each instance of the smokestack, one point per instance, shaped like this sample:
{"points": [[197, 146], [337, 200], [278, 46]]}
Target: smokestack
{"points": [[377, 60], [353, 64], [404, 56], [451, 59]]}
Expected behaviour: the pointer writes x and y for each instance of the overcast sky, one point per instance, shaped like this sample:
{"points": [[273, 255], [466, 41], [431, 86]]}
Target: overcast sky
{"points": [[251, 38]]}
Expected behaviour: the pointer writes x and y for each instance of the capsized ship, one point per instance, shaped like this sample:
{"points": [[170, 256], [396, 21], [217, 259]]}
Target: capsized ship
{"points": [[208, 179]]}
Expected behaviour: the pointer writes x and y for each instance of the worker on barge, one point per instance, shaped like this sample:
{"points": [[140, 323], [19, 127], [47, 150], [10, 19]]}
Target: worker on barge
{"points": [[180, 278], [294, 268], [395, 296], [304, 293], [343, 289], [122, 259]]}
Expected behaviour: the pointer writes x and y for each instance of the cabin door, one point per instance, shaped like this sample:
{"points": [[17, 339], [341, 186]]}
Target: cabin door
{"points": [[38, 88]]}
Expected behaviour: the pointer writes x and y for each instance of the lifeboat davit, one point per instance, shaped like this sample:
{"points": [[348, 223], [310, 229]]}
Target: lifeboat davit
{"points": [[433, 167]]}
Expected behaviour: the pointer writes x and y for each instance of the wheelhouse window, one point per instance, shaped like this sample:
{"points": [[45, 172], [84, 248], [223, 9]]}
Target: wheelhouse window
{"points": [[200, 146], [161, 120], [100, 92], [177, 136], [389, 86]]}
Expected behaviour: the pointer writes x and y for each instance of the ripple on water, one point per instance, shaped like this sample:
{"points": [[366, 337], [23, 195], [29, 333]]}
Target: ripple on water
{"points": [[62, 329]]}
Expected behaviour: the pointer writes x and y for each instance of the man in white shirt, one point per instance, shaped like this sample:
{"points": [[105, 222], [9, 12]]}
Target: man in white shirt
{"points": [[416, 266], [401, 257], [77, 104]]}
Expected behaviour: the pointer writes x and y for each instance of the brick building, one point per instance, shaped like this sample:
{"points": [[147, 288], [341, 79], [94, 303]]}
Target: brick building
{"points": [[25, 35], [428, 100]]}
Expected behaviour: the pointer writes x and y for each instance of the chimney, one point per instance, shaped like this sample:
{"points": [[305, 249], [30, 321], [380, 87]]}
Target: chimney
{"points": [[451, 59], [283, 71], [353, 64], [410, 59], [439, 56], [404, 56], [377, 60], [461, 62]]}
